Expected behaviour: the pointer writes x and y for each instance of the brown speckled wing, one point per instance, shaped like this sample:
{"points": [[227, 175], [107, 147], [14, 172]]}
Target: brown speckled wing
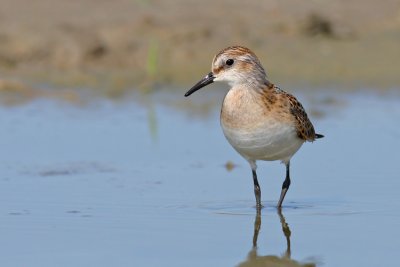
{"points": [[305, 129]]}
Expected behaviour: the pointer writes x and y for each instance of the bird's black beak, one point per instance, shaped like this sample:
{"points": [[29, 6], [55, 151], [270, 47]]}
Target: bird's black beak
{"points": [[203, 82]]}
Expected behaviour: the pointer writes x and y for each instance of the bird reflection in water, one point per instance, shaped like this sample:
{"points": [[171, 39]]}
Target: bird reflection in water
{"points": [[255, 260]]}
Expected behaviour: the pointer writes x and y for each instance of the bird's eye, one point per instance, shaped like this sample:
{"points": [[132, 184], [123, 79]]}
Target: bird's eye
{"points": [[229, 62]]}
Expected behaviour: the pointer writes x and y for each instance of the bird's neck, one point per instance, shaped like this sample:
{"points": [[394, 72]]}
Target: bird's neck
{"points": [[257, 84]]}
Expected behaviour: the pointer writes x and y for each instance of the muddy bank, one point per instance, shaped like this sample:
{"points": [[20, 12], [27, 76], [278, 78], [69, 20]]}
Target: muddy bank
{"points": [[135, 44]]}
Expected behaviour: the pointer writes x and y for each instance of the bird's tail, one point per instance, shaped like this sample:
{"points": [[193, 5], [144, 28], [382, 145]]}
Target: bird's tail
{"points": [[317, 136]]}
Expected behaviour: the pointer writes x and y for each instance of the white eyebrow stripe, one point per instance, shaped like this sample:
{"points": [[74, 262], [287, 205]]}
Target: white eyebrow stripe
{"points": [[245, 58]]}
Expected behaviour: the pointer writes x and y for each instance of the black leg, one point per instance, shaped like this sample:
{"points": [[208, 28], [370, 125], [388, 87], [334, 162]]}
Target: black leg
{"points": [[257, 190], [285, 185]]}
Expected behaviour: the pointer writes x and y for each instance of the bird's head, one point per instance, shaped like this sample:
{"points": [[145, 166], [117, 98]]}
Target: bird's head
{"points": [[234, 65]]}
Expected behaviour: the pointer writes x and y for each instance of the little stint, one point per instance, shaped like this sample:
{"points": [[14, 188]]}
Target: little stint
{"points": [[259, 120]]}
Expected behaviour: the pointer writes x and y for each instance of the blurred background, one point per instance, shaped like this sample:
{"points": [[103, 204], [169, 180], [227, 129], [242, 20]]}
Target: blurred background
{"points": [[104, 162], [124, 45]]}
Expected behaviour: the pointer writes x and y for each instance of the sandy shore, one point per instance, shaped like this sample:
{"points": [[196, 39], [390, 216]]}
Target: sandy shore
{"points": [[125, 44]]}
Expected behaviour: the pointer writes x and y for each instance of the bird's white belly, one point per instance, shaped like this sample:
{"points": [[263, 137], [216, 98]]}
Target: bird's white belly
{"points": [[272, 140]]}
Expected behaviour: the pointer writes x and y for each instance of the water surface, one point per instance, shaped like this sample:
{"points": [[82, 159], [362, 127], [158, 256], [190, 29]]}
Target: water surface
{"points": [[144, 183]]}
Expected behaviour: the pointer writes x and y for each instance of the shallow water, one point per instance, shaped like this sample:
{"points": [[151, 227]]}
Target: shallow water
{"points": [[129, 184]]}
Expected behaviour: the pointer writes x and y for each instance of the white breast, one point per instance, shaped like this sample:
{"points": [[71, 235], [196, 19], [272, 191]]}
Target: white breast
{"points": [[271, 141], [256, 132]]}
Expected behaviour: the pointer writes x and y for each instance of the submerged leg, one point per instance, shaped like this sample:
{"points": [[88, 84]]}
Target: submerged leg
{"points": [[286, 232], [285, 185], [257, 227], [257, 189]]}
